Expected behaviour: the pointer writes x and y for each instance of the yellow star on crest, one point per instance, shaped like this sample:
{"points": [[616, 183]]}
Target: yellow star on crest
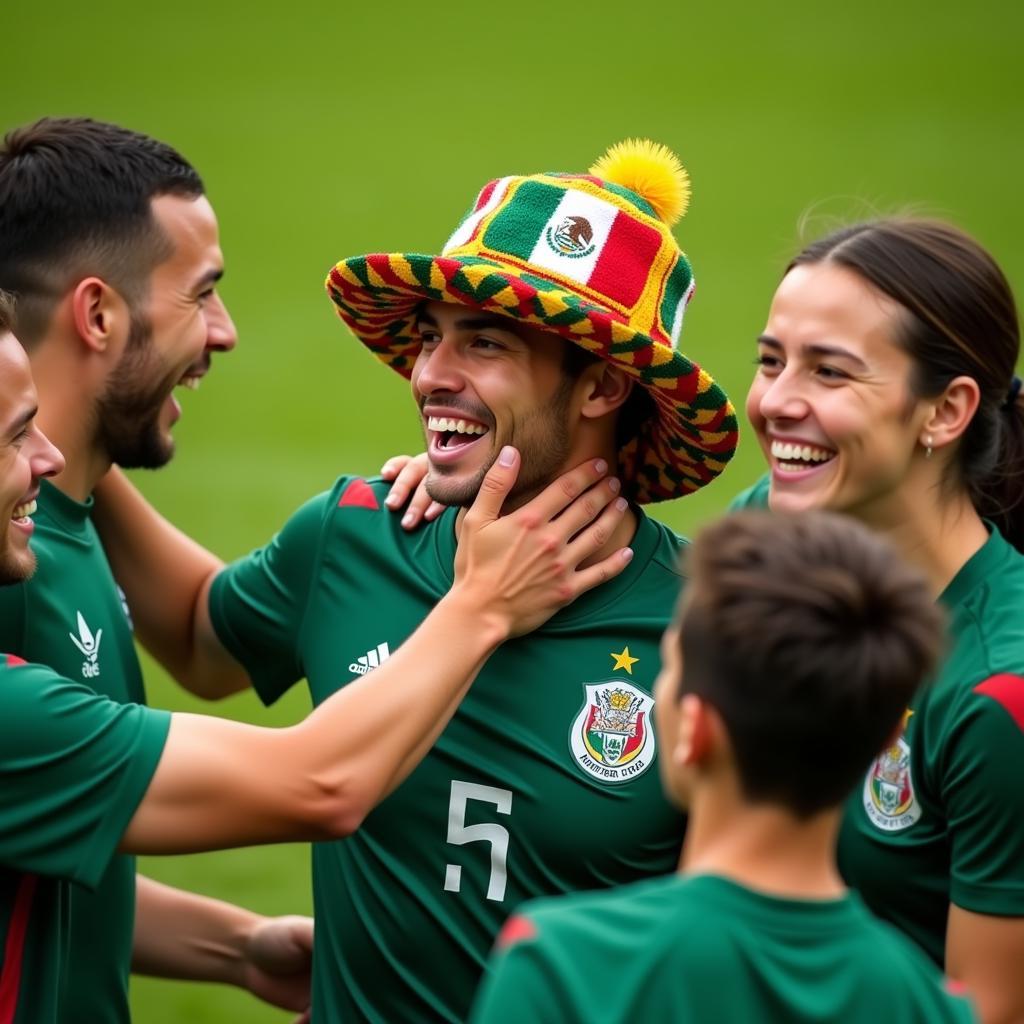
{"points": [[623, 660]]}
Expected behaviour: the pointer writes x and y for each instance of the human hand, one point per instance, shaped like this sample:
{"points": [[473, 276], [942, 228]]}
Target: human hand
{"points": [[526, 565], [409, 475], [278, 959]]}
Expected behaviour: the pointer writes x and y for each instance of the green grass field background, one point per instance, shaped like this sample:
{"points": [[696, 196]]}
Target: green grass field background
{"points": [[324, 131]]}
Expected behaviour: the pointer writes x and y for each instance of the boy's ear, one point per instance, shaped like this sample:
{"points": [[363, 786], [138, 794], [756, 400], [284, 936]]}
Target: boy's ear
{"points": [[694, 739]]}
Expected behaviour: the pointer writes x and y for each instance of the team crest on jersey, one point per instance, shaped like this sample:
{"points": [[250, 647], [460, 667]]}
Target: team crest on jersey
{"points": [[612, 739], [889, 798]]}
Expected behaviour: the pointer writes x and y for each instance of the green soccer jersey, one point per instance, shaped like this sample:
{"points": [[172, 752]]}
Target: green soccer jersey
{"points": [[73, 768], [702, 948], [544, 781], [71, 616], [940, 815]]}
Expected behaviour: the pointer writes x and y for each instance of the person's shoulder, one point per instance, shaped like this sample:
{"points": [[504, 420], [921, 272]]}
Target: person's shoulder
{"points": [[27, 689], [754, 497], [898, 964], [986, 659], [595, 918]]}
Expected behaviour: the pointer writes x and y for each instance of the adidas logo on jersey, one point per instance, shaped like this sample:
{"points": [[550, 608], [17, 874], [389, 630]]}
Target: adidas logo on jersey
{"points": [[89, 645], [370, 660]]}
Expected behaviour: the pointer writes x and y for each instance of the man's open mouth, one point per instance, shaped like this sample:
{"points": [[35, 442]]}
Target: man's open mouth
{"points": [[450, 433], [24, 510]]}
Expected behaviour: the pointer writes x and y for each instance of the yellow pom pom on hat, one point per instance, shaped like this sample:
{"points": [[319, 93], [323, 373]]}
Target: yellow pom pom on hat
{"points": [[589, 257]]}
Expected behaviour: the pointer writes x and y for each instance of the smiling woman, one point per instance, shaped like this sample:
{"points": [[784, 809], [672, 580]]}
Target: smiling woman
{"points": [[886, 390]]}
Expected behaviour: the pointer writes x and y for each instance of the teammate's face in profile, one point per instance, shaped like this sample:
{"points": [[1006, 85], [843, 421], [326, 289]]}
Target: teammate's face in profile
{"points": [[173, 333], [483, 381], [831, 402], [25, 457]]}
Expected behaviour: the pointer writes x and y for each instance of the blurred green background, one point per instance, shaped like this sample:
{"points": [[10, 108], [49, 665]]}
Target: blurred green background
{"points": [[327, 130]]}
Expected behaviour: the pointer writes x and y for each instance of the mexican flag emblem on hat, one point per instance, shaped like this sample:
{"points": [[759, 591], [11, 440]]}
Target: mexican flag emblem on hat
{"points": [[590, 257]]}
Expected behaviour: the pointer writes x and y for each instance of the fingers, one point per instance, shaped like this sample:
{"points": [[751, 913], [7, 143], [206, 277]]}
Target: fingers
{"points": [[394, 466], [494, 489], [587, 542], [564, 491], [408, 475], [589, 506], [601, 572], [422, 508]]}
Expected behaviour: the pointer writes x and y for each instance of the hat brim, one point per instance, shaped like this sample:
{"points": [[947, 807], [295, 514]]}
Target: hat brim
{"points": [[682, 449]]}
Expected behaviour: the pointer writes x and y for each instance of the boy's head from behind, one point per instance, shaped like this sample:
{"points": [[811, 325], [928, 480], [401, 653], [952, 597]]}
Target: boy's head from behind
{"points": [[796, 648]]}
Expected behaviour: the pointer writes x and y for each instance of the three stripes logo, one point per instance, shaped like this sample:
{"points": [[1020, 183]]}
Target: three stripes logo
{"points": [[370, 660]]}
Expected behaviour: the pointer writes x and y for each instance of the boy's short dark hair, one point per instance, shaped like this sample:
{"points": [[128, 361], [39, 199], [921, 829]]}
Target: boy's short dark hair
{"points": [[809, 636], [75, 200]]}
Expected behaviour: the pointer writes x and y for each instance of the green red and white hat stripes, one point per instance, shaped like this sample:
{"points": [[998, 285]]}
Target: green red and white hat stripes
{"points": [[583, 257]]}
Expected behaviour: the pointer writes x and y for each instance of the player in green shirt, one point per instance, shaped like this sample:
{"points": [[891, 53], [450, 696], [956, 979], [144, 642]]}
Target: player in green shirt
{"points": [[553, 318], [112, 247], [814, 634], [886, 390], [83, 776]]}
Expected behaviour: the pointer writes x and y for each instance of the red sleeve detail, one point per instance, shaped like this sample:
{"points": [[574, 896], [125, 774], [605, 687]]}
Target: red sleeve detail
{"points": [[516, 929], [13, 660], [954, 987], [1008, 690], [359, 494], [14, 949]]}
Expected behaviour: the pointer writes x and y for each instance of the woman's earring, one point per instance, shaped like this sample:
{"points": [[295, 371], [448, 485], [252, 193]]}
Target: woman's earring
{"points": [[928, 446]]}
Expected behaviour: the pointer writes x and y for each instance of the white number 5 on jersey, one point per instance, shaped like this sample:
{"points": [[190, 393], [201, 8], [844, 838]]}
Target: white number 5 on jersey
{"points": [[459, 833]]}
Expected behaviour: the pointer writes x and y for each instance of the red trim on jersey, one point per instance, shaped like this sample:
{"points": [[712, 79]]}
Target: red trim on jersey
{"points": [[954, 987], [516, 929], [13, 660], [359, 494], [1008, 690], [14, 948]]}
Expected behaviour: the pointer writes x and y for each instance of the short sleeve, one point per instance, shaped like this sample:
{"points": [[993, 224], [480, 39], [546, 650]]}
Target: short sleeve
{"points": [[517, 987], [75, 767], [984, 799], [753, 497], [257, 604]]}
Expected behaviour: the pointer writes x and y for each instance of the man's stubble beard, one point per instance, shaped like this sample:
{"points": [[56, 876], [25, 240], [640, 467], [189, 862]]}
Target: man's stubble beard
{"points": [[14, 567], [128, 412], [543, 443]]}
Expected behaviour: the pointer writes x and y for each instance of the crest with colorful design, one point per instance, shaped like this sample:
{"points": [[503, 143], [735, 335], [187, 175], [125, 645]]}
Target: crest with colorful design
{"points": [[590, 257]]}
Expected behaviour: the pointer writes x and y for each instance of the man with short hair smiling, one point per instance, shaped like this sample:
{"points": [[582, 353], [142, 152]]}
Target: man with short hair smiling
{"points": [[111, 247], [789, 665], [549, 322]]}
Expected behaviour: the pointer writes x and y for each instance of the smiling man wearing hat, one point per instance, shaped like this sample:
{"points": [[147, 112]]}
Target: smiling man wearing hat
{"points": [[550, 322]]}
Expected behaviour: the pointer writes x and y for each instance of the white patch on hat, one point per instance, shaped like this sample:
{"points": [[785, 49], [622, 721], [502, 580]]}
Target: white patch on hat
{"points": [[464, 232], [598, 216], [677, 317]]}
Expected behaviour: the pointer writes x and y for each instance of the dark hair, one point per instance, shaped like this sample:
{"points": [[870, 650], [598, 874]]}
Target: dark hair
{"points": [[960, 320], [75, 200], [6, 312], [808, 635]]}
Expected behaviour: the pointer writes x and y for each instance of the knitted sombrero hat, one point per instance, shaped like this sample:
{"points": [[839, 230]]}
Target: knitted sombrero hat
{"points": [[587, 256]]}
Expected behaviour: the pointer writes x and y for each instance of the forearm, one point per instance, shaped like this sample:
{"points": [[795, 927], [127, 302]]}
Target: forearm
{"points": [[164, 574], [181, 935], [222, 783]]}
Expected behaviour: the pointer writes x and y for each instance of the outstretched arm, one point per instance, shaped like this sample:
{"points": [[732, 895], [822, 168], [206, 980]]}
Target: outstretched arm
{"points": [[221, 783], [194, 938], [167, 576]]}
